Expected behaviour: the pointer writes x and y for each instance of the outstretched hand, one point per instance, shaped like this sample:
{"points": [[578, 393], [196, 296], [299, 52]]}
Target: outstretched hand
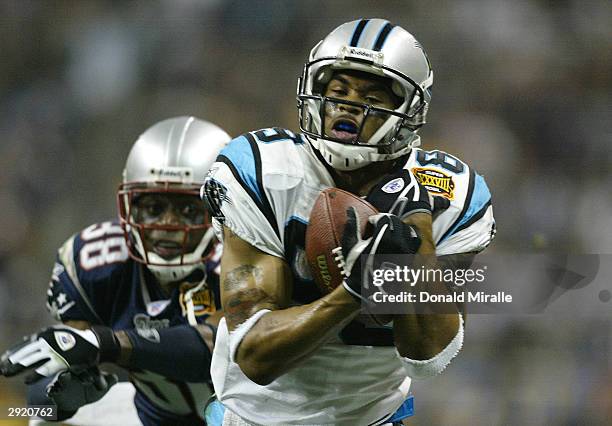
{"points": [[52, 350]]}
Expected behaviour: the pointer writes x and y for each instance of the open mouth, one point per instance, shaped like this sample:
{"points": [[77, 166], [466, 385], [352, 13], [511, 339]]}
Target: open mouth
{"points": [[167, 249], [345, 130]]}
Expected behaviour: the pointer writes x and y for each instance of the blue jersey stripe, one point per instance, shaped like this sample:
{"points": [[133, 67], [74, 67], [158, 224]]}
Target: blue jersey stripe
{"points": [[406, 410], [243, 158], [480, 199], [240, 154]]}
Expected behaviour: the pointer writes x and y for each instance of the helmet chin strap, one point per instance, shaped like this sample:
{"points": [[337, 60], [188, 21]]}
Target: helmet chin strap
{"points": [[188, 298], [337, 154]]}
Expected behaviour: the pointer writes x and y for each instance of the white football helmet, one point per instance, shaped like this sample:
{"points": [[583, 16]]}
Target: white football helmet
{"points": [[171, 157], [377, 47]]}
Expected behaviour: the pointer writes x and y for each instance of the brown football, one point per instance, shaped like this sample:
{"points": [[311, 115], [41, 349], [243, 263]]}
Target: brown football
{"points": [[324, 233]]}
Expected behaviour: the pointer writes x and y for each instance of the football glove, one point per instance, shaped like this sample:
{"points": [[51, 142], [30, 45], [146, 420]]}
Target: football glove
{"points": [[401, 194], [391, 236], [70, 390], [59, 348]]}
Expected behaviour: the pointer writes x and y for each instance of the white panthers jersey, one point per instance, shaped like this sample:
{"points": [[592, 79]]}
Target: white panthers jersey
{"points": [[263, 187]]}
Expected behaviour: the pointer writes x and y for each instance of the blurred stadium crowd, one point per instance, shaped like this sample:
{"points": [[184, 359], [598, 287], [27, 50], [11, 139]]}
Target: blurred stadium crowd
{"points": [[522, 91]]}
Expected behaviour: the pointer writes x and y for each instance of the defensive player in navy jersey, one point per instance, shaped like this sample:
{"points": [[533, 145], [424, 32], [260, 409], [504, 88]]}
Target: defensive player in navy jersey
{"points": [[140, 292], [285, 353]]}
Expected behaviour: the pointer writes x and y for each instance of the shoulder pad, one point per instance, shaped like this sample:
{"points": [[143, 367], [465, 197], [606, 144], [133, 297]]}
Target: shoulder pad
{"points": [[445, 175]]}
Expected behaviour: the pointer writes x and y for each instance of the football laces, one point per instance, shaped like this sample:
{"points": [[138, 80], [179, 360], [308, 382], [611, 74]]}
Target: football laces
{"points": [[340, 261]]}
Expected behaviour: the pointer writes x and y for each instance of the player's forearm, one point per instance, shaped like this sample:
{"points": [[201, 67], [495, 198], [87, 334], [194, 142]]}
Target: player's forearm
{"points": [[282, 338], [424, 334], [179, 352]]}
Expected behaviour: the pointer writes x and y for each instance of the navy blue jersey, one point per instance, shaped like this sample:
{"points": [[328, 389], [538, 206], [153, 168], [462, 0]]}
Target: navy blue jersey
{"points": [[95, 280]]}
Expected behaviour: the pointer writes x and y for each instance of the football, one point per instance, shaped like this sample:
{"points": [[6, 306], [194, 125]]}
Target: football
{"points": [[324, 233]]}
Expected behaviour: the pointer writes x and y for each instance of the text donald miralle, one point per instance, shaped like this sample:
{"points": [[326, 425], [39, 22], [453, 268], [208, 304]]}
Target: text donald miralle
{"points": [[404, 275]]}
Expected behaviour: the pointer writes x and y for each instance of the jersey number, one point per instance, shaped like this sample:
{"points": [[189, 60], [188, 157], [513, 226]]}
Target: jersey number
{"points": [[102, 246], [441, 159], [277, 134]]}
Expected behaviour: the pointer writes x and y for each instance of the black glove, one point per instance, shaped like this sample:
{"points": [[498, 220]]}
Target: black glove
{"points": [[401, 194], [59, 348], [391, 236], [70, 390]]}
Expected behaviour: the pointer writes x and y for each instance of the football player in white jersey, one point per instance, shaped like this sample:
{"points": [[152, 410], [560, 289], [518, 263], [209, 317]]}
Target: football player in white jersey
{"points": [[285, 353]]}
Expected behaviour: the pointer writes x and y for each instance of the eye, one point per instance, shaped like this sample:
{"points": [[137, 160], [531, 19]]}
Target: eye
{"points": [[148, 209], [337, 91], [374, 99], [192, 211], [154, 208], [188, 210]]}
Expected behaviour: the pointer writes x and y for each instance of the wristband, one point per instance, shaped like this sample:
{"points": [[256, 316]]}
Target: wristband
{"points": [[110, 349]]}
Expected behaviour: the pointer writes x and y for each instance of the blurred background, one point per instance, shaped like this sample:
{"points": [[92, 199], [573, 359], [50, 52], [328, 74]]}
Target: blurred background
{"points": [[522, 92]]}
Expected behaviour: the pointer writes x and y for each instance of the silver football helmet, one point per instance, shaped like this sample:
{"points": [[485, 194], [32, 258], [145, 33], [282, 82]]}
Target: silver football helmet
{"points": [[377, 47], [170, 159]]}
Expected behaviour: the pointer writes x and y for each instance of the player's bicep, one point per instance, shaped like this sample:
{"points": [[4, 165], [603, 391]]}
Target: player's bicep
{"points": [[251, 280]]}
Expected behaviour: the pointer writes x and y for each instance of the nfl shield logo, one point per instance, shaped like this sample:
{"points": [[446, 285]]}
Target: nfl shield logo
{"points": [[393, 186], [64, 340]]}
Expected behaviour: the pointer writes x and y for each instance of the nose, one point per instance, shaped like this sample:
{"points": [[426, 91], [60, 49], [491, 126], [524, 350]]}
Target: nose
{"points": [[169, 217], [351, 109]]}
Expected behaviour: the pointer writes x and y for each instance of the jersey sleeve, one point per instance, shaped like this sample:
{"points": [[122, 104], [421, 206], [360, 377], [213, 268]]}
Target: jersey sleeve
{"points": [[467, 225], [65, 301], [235, 192], [85, 273], [474, 228]]}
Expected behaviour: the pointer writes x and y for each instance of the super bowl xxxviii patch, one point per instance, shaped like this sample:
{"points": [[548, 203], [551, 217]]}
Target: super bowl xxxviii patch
{"points": [[436, 182], [203, 300]]}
